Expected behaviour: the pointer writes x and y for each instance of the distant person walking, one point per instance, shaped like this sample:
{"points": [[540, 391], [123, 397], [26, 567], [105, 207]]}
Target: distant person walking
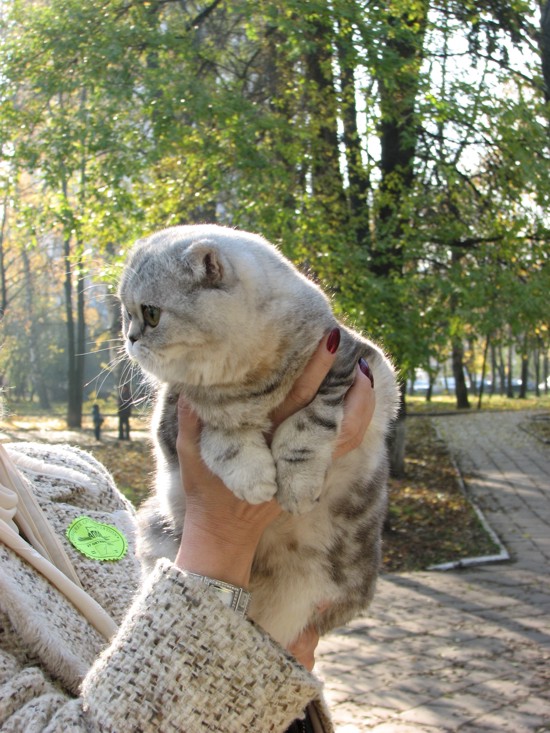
{"points": [[124, 412], [98, 421]]}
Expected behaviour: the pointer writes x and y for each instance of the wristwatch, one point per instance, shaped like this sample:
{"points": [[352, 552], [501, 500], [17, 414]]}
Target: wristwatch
{"points": [[230, 595]]}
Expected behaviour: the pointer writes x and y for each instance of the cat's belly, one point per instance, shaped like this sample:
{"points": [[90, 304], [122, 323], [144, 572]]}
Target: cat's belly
{"points": [[329, 556]]}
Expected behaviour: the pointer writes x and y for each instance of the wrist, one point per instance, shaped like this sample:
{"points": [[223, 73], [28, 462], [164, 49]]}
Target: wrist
{"points": [[216, 553]]}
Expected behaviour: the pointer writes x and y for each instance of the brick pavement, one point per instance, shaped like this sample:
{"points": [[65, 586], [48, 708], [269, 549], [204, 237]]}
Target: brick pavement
{"points": [[466, 650]]}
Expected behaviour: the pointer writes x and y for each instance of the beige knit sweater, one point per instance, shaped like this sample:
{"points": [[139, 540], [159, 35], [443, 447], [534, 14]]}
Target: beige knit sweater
{"points": [[181, 660]]}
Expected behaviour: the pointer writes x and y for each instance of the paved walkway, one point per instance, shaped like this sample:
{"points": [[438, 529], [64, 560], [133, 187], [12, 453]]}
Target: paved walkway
{"points": [[466, 650]]}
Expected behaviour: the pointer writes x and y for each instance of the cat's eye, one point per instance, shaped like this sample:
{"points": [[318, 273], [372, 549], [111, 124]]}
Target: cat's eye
{"points": [[151, 315]]}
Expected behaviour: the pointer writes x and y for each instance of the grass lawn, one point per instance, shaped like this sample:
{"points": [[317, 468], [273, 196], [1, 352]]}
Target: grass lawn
{"points": [[446, 403]]}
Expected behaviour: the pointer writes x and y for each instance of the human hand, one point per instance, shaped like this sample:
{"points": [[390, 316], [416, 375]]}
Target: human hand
{"points": [[221, 532], [359, 403]]}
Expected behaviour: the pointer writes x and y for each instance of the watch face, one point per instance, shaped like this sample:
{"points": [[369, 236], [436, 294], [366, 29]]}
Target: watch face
{"points": [[236, 598], [226, 595]]}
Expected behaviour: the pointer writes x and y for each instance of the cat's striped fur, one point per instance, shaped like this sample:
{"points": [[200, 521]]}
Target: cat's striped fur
{"points": [[236, 325]]}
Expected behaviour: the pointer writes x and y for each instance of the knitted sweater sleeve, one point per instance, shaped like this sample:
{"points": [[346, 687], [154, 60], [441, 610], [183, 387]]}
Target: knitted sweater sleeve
{"points": [[182, 661]]}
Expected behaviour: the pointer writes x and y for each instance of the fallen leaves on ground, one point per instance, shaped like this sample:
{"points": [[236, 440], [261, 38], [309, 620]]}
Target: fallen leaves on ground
{"points": [[132, 466], [430, 521]]}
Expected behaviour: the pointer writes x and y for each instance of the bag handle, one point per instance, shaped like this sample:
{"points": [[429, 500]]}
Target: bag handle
{"points": [[31, 520], [42, 549]]}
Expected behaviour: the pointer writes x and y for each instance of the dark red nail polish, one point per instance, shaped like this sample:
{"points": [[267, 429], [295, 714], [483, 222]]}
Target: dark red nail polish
{"points": [[365, 368], [333, 340]]}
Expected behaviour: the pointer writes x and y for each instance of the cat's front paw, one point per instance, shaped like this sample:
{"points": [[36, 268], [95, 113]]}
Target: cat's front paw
{"points": [[243, 462], [254, 487]]}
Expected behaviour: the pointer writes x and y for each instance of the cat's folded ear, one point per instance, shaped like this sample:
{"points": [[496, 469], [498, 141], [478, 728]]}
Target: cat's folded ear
{"points": [[207, 263]]}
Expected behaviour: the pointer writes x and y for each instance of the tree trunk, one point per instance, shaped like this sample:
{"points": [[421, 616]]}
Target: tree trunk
{"points": [[74, 415], [281, 103], [429, 391], [461, 390], [545, 47], [75, 266], [398, 78], [536, 361], [76, 345], [524, 370], [37, 377], [483, 370], [80, 337], [326, 177], [494, 370], [397, 439], [358, 177], [509, 383], [501, 372]]}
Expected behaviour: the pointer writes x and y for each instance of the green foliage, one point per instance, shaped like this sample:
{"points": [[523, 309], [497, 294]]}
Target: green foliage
{"points": [[397, 151]]}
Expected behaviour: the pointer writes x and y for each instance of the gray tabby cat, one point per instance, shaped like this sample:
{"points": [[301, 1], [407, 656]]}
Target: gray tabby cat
{"points": [[223, 317]]}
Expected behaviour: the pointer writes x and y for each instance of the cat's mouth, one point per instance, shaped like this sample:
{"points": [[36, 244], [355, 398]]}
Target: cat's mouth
{"points": [[147, 360]]}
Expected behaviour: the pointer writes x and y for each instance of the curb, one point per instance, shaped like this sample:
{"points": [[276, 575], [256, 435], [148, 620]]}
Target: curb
{"points": [[502, 556]]}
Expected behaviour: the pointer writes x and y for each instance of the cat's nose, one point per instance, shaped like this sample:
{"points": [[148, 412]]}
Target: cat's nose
{"points": [[134, 333]]}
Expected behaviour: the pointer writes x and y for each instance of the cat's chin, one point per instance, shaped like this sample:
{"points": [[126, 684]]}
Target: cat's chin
{"points": [[169, 372], [149, 364]]}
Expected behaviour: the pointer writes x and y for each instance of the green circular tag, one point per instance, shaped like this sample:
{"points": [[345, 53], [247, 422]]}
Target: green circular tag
{"points": [[95, 540]]}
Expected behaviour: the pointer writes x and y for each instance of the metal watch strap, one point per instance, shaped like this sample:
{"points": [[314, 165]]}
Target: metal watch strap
{"points": [[230, 595]]}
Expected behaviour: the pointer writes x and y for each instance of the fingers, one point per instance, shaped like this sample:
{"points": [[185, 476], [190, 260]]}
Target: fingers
{"points": [[306, 386], [358, 411], [359, 403], [304, 646]]}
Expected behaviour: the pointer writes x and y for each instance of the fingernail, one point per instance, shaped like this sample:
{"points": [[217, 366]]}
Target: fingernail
{"points": [[365, 368], [333, 340]]}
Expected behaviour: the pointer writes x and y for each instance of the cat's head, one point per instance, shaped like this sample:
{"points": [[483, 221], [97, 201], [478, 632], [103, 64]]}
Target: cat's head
{"points": [[200, 302]]}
